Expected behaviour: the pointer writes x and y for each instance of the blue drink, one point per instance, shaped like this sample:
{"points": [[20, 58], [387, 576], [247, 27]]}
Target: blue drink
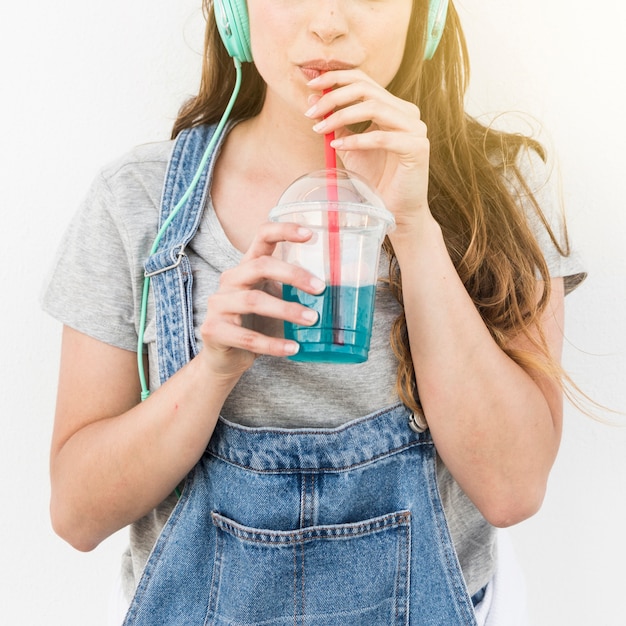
{"points": [[348, 222], [342, 331]]}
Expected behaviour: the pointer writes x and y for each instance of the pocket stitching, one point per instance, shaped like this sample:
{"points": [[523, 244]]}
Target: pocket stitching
{"points": [[310, 533]]}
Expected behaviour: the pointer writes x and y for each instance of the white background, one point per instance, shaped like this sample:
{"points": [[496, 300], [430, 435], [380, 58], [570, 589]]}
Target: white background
{"points": [[82, 83]]}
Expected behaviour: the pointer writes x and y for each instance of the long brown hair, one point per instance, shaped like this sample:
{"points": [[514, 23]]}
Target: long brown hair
{"points": [[486, 232]]}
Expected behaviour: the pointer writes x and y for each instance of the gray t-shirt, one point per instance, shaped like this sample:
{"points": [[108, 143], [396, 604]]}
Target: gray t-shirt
{"points": [[95, 287]]}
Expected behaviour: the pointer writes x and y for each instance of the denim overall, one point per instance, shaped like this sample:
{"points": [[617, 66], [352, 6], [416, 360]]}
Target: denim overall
{"points": [[292, 527]]}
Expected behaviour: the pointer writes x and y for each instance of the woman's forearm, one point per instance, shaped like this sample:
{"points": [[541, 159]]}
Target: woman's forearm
{"points": [[496, 428], [109, 469]]}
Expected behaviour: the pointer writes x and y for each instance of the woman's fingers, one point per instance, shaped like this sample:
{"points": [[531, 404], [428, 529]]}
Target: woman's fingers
{"points": [[250, 291], [236, 304], [361, 101], [272, 233], [258, 270], [224, 323], [233, 336], [392, 153]]}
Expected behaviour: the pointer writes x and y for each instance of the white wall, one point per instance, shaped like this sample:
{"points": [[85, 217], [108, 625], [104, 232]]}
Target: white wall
{"points": [[84, 82]]}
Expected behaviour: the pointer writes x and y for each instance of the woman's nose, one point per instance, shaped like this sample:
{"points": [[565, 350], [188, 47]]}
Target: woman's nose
{"points": [[328, 21]]}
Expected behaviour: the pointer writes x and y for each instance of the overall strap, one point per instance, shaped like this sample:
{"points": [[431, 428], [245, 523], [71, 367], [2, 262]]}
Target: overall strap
{"points": [[169, 268]]}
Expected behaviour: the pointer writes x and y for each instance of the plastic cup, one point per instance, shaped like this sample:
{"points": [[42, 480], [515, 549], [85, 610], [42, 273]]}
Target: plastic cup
{"points": [[344, 252]]}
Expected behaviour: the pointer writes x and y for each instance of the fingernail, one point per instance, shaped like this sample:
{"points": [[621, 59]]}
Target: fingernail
{"points": [[312, 111], [309, 315], [319, 127], [336, 143], [291, 348], [317, 284], [304, 232]]}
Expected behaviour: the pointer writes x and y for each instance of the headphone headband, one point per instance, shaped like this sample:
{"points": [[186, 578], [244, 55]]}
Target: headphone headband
{"points": [[437, 13], [232, 21]]}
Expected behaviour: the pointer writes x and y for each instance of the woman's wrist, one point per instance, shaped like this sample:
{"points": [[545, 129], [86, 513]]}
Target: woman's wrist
{"points": [[415, 235], [210, 370]]}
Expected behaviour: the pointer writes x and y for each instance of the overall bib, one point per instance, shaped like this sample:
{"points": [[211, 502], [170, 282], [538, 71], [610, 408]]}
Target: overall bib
{"points": [[292, 527]]}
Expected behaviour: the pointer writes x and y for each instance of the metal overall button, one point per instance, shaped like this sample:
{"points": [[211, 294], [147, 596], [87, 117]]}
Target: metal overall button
{"points": [[417, 423]]}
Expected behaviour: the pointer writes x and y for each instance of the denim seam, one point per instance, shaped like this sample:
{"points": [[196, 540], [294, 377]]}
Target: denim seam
{"points": [[314, 470], [295, 583], [311, 487], [325, 431], [397, 581], [311, 502], [300, 547], [301, 536], [402, 577], [462, 595], [177, 343], [302, 521], [215, 581], [307, 487]]}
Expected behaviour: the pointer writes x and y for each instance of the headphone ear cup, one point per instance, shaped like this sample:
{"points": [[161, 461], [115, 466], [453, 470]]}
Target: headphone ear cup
{"points": [[231, 17], [437, 12]]}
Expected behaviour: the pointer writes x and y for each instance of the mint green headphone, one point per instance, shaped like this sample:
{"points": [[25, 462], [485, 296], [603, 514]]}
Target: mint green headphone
{"points": [[232, 22]]}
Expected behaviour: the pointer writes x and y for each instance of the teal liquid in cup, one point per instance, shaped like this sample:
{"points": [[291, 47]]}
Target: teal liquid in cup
{"points": [[343, 329], [348, 222]]}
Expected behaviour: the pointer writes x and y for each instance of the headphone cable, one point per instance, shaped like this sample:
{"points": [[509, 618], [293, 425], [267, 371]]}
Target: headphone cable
{"points": [[145, 392]]}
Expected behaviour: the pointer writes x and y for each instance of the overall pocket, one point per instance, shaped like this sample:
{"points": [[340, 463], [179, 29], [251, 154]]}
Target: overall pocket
{"points": [[349, 574]]}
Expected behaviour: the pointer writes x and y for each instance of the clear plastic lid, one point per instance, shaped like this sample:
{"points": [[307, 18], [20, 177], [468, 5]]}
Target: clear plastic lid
{"points": [[343, 187]]}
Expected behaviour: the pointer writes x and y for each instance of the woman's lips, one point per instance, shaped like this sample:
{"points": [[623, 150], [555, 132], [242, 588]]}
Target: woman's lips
{"points": [[312, 69], [311, 72]]}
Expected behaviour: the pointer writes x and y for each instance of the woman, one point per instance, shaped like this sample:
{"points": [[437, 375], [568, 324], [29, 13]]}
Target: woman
{"points": [[316, 493]]}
